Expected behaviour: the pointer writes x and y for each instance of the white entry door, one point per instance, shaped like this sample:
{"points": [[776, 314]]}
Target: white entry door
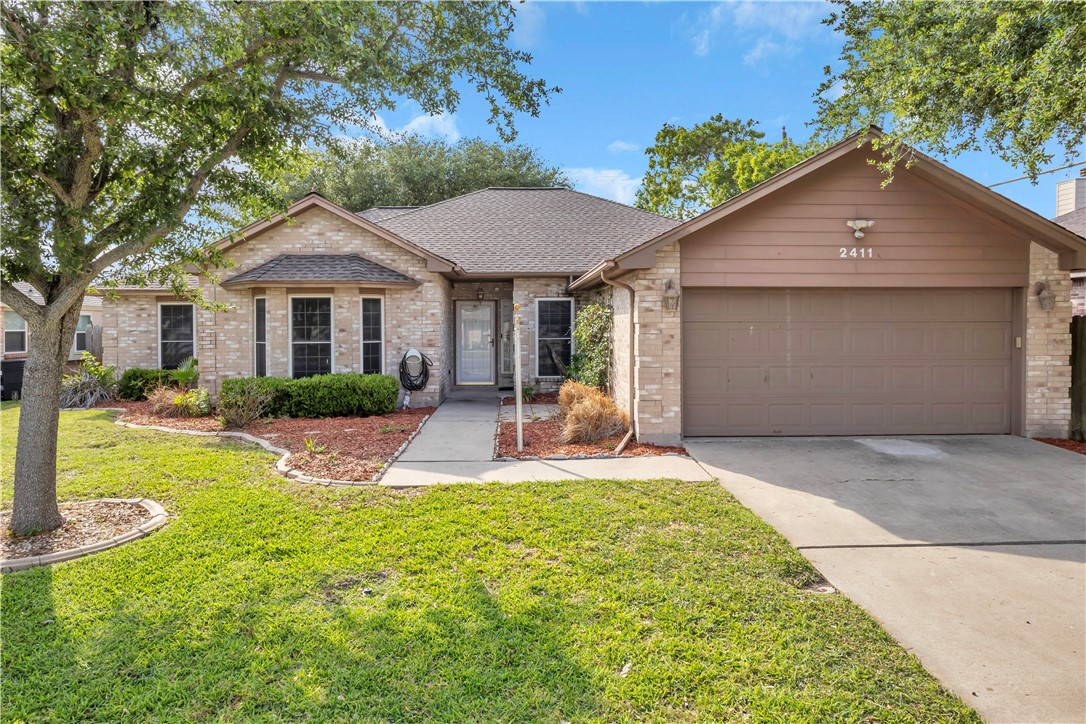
{"points": [[475, 343]]}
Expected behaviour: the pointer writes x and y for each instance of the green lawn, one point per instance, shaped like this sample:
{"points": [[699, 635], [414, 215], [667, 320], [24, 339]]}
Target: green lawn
{"points": [[487, 603]]}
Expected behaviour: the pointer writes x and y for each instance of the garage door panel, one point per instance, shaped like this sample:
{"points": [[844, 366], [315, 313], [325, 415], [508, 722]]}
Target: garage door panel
{"points": [[776, 362]]}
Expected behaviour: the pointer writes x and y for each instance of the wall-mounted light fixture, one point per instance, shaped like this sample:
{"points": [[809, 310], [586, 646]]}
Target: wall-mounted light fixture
{"points": [[671, 297], [479, 294], [858, 226], [1045, 295]]}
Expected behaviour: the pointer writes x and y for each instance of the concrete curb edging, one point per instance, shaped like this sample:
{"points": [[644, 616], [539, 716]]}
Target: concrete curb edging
{"points": [[158, 519], [596, 456], [281, 465]]}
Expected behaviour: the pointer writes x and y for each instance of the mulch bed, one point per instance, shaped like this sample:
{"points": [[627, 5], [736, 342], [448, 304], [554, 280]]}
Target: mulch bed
{"points": [[539, 398], [84, 524], [344, 448], [544, 438], [139, 413], [1072, 445]]}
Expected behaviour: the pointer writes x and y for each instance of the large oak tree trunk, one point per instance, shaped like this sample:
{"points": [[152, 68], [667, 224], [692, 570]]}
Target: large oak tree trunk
{"points": [[34, 507]]}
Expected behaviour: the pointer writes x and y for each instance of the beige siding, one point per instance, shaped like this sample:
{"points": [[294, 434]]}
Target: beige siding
{"points": [[921, 238]]}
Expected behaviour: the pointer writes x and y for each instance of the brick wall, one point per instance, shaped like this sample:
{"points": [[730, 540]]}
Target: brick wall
{"points": [[658, 373], [414, 317], [1048, 349]]}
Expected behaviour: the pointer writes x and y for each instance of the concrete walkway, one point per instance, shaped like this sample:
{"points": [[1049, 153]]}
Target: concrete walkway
{"points": [[457, 445], [968, 549]]}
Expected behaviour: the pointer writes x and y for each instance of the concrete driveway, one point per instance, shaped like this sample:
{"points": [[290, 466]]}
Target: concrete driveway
{"points": [[969, 550]]}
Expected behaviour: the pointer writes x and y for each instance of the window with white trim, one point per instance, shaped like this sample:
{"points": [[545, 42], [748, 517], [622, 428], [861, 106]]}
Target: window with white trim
{"points": [[260, 337], [14, 332], [373, 338], [310, 336], [80, 344], [554, 336], [176, 334]]}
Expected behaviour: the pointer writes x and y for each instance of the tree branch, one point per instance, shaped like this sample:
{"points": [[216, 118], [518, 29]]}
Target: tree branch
{"points": [[248, 56], [26, 307]]}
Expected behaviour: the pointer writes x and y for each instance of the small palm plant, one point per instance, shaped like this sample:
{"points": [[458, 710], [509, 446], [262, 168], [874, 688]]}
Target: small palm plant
{"points": [[186, 373]]}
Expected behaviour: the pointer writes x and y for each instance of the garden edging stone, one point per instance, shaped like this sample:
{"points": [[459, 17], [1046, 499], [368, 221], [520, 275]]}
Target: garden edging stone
{"points": [[158, 519], [281, 465]]}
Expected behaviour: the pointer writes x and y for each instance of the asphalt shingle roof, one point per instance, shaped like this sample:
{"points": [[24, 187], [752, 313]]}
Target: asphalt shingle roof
{"points": [[527, 230], [1074, 221], [320, 268], [380, 213]]}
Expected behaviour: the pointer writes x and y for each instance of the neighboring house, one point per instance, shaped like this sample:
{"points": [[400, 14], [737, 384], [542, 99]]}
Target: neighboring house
{"points": [[16, 339], [766, 315], [16, 332], [1071, 214]]}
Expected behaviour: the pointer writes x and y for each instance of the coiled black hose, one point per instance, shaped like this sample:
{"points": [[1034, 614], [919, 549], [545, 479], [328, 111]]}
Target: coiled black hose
{"points": [[414, 383]]}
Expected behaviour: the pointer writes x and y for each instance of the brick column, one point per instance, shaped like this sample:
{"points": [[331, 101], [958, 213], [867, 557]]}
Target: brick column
{"points": [[1048, 349]]}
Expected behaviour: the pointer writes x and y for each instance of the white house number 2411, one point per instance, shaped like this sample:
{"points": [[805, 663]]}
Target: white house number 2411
{"points": [[857, 252]]}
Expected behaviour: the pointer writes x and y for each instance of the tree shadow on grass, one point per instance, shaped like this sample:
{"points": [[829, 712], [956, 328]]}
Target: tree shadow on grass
{"points": [[352, 649]]}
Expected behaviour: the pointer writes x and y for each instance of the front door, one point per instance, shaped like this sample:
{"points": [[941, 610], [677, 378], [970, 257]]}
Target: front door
{"points": [[475, 343]]}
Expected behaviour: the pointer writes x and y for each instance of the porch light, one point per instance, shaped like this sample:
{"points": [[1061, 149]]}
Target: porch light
{"points": [[671, 297], [858, 226], [479, 294], [1045, 295]]}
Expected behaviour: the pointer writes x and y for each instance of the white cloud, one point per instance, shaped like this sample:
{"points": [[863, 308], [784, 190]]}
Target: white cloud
{"points": [[621, 146], [610, 183], [771, 29], [528, 24], [443, 124]]}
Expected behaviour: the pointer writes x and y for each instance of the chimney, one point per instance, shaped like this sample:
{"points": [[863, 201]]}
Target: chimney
{"points": [[1071, 194]]}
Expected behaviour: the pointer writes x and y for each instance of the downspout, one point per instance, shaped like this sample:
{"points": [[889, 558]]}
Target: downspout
{"points": [[611, 264]]}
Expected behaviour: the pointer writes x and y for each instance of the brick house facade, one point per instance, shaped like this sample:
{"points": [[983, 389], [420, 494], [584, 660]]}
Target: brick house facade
{"points": [[766, 315]]}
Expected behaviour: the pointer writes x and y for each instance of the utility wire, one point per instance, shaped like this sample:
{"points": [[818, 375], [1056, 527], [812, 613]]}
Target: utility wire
{"points": [[1039, 173]]}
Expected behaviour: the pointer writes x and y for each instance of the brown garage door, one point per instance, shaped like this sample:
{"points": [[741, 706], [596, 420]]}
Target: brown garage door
{"points": [[846, 361]]}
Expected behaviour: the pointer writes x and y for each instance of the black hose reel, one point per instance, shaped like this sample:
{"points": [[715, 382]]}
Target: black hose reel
{"points": [[414, 373]]}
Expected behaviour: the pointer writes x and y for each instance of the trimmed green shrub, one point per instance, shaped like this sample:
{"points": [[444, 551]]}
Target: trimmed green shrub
{"points": [[272, 393], [136, 383], [341, 394]]}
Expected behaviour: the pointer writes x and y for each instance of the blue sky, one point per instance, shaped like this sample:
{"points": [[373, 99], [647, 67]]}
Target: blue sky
{"points": [[626, 68]]}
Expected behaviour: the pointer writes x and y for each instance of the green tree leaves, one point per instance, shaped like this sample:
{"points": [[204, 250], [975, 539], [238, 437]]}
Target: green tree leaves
{"points": [[961, 75], [415, 171], [693, 169]]}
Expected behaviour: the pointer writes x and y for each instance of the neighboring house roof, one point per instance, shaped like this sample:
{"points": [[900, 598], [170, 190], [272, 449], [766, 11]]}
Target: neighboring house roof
{"points": [[1070, 246], [502, 231], [379, 213], [1075, 221], [89, 301], [320, 268]]}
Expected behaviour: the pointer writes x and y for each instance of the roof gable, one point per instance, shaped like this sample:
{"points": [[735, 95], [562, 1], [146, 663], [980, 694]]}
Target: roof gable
{"points": [[954, 186], [315, 200]]}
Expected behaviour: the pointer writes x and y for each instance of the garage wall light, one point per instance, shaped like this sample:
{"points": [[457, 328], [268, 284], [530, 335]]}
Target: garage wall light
{"points": [[858, 226], [1045, 295], [671, 297]]}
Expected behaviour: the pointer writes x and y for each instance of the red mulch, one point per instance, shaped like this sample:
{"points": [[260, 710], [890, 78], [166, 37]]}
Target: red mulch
{"points": [[539, 398], [543, 438], [84, 524], [139, 413], [354, 448], [1072, 445]]}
